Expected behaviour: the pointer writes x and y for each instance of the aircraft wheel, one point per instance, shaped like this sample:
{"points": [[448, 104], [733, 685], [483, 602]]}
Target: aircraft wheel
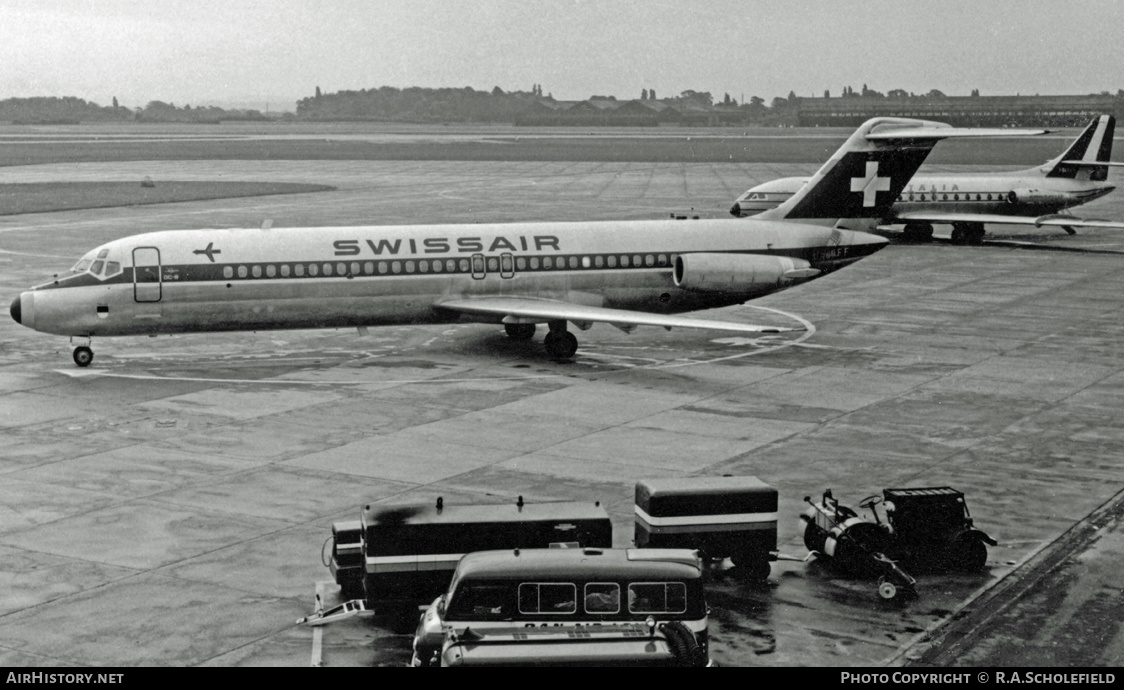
{"points": [[974, 234], [958, 235], [520, 331], [917, 232], [83, 356], [561, 344]]}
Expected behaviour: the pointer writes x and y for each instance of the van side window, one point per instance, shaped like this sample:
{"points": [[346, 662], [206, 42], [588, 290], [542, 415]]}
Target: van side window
{"points": [[545, 597], [657, 597], [482, 601], [602, 597]]}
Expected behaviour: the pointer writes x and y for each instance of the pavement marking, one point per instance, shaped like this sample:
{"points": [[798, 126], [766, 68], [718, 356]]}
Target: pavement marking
{"points": [[90, 373], [810, 330]]}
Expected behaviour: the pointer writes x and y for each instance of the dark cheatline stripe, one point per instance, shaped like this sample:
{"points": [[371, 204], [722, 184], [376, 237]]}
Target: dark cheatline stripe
{"points": [[198, 273]]}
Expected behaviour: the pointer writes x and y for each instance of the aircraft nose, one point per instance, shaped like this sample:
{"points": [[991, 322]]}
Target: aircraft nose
{"points": [[16, 310], [736, 210]]}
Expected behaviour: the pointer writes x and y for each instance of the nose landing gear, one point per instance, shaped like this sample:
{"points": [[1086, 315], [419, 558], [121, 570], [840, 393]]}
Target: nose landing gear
{"points": [[83, 355]]}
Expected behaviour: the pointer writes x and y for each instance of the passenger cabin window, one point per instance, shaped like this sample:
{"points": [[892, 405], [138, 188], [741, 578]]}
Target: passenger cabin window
{"points": [[548, 598], [657, 597], [602, 597]]}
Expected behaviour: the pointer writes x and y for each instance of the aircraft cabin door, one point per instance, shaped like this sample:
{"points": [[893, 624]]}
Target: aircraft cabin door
{"points": [[478, 270], [146, 274]]}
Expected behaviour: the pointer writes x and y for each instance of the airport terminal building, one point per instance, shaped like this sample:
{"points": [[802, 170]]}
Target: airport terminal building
{"points": [[960, 111]]}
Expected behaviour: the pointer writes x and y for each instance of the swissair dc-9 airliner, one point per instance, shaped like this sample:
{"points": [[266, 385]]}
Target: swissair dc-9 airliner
{"points": [[624, 273]]}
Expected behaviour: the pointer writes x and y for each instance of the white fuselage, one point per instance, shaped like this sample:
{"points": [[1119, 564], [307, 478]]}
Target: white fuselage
{"points": [[1026, 193], [255, 279]]}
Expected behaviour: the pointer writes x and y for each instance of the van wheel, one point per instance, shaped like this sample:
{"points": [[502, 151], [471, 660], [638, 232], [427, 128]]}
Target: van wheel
{"points": [[683, 644], [402, 619]]}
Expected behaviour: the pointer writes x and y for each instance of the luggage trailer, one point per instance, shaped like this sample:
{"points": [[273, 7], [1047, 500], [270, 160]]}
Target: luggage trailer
{"points": [[721, 517]]}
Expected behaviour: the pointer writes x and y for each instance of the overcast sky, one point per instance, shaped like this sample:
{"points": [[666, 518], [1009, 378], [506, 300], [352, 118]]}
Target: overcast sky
{"points": [[221, 51]]}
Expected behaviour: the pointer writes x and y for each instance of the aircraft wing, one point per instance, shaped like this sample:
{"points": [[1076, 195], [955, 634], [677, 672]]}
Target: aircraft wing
{"points": [[531, 310], [1054, 220]]}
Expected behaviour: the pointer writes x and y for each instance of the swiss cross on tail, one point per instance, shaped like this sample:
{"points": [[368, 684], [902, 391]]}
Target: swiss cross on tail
{"points": [[870, 185]]}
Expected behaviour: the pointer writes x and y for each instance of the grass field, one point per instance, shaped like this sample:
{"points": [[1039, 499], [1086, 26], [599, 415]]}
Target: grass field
{"points": [[66, 196]]}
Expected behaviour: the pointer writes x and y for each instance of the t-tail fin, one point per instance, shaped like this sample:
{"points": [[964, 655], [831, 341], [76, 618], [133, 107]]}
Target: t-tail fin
{"points": [[1088, 156], [867, 173]]}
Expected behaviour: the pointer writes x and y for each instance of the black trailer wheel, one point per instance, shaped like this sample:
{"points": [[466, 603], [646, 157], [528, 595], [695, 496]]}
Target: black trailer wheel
{"points": [[753, 566], [968, 554]]}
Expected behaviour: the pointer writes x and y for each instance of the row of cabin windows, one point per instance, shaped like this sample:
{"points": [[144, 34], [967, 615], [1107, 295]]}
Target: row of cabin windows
{"points": [[477, 264], [955, 197], [561, 598]]}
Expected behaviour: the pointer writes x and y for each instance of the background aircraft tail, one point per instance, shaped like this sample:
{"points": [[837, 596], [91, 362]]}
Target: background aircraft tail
{"points": [[866, 175], [1093, 146]]}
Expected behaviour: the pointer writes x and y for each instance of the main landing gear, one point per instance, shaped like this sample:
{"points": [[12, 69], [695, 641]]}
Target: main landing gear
{"points": [[559, 342], [967, 233], [520, 331], [917, 232]]}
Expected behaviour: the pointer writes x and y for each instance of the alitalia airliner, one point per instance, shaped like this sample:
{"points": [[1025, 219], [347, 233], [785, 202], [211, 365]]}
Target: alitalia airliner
{"points": [[1039, 196], [624, 273]]}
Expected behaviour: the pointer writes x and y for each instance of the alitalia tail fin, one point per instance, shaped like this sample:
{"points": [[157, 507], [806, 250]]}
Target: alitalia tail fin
{"points": [[1088, 156]]}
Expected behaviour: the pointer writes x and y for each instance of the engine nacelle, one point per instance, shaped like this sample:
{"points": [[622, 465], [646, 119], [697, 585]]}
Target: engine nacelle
{"points": [[737, 272], [1037, 196]]}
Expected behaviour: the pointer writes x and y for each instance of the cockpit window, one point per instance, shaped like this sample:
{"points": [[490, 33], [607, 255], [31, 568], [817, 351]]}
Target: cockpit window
{"points": [[81, 266], [97, 267], [103, 253], [112, 268]]}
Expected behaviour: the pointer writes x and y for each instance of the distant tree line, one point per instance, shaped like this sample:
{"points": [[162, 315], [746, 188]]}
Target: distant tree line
{"points": [[70, 110]]}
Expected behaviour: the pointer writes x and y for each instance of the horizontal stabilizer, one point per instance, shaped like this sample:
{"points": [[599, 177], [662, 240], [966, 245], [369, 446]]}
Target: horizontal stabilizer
{"points": [[528, 309], [951, 132], [1096, 164]]}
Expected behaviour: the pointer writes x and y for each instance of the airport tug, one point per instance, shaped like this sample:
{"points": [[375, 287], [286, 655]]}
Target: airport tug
{"points": [[722, 517], [927, 529]]}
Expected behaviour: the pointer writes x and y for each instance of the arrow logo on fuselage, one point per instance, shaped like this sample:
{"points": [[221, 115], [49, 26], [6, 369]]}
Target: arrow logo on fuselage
{"points": [[209, 252], [871, 184]]}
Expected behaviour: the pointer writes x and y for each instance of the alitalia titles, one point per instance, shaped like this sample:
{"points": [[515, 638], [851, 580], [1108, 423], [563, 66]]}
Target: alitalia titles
{"points": [[446, 245]]}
